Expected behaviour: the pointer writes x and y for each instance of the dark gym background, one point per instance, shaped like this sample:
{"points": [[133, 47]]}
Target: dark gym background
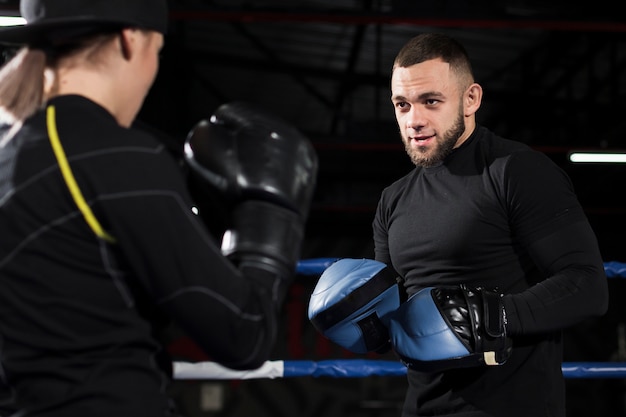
{"points": [[553, 74]]}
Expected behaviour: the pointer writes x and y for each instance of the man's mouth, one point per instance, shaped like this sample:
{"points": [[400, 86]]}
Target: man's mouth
{"points": [[422, 140]]}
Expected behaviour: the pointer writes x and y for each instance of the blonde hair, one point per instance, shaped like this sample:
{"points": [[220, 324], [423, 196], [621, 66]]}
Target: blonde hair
{"points": [[22, 85], [24, 79]]}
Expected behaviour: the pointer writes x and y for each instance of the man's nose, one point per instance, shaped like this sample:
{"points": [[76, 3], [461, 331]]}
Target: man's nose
{"points": [[415, 119]]}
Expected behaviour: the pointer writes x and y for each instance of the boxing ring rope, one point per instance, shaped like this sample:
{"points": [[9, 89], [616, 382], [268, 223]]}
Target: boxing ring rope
{"points": [[358, 368]]}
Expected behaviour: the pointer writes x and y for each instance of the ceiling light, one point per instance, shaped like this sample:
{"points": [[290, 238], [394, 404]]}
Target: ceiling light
{"points": [[11, 20], [598, 157]]}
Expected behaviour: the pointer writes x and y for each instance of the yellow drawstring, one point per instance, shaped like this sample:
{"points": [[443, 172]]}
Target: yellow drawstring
{"points": [[91, 219]]}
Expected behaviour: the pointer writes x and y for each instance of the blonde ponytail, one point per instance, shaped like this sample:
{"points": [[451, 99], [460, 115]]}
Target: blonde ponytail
{"points": [[22, 85]]}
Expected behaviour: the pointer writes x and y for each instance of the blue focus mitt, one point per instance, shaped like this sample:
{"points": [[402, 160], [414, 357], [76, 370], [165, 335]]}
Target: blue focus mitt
{"points": [[448, 327], [352, 302]]}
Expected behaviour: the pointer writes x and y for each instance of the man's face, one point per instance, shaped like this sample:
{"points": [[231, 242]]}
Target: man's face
{"points": [[429, 109]]}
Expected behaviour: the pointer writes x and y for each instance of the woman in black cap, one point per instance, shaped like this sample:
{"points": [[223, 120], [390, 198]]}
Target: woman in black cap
{"points": [[100, 247]]}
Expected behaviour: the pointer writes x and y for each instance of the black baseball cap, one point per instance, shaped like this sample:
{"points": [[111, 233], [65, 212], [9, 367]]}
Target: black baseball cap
{"points": [[50, 21]]}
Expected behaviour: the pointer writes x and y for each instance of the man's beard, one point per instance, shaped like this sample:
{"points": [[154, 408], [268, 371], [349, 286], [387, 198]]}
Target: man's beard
{"points": [[442, 148]]}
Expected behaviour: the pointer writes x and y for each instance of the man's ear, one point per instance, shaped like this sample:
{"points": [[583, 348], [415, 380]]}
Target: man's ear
{"points": [[472, 99]]}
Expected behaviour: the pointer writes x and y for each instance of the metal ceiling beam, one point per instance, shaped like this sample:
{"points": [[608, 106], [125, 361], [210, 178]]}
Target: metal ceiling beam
{"points": [[584, 24], [278, 63], [382, 18], [346, 84]]}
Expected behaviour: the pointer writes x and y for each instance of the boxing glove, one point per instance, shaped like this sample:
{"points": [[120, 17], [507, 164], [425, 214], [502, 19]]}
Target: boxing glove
{"points": [[352, 302], [265, 171], [441, 328]]}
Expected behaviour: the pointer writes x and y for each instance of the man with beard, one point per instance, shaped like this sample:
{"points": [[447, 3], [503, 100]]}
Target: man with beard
{"points": [[483, 212]]}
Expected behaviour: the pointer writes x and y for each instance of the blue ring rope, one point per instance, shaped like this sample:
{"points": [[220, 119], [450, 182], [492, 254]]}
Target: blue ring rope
{"points": [[316, 266], [358, 368]]}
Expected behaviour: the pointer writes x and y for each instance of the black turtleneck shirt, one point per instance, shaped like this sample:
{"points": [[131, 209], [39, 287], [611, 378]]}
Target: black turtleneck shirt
{"points": [[497, 214]]}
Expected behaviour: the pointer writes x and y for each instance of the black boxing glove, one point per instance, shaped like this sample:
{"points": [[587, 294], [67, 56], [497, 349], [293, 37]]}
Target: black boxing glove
{"points": [[265, 170]]}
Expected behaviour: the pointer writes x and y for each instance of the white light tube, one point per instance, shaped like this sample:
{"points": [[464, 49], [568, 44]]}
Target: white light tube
{"points": [[11, 20], [607, 158]]}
